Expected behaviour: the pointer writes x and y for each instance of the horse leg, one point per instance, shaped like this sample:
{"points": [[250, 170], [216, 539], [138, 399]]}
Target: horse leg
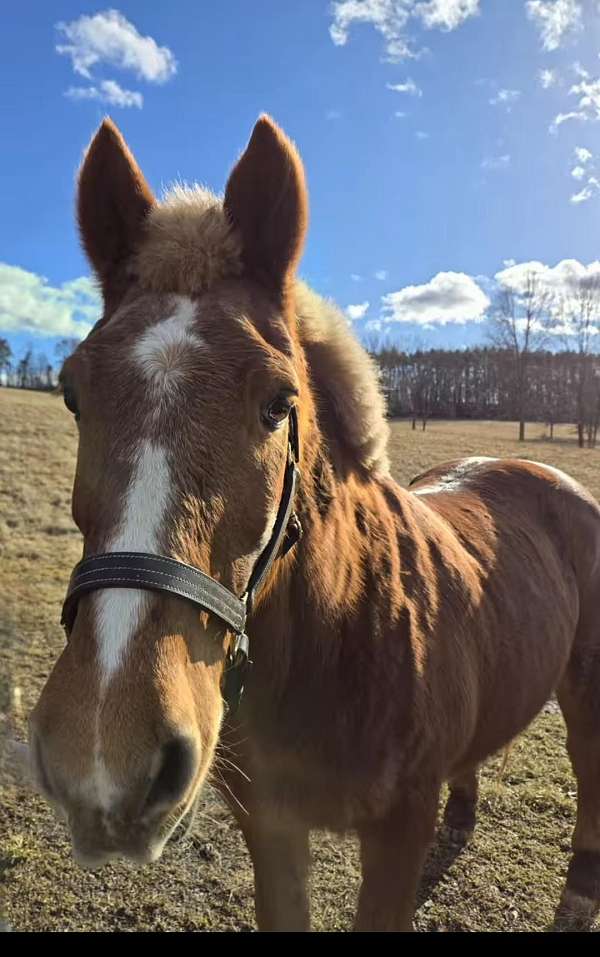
{"points": [[393, 851], [580, 704], [459, 813], [281, 861], [280, 856]]}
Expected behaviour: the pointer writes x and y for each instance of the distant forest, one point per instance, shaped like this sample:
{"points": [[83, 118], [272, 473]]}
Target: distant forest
{"points": [[491, 383], [484, 383]]}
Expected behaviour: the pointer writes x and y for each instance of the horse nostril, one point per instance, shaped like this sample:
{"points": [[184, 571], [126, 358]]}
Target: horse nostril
{"points": [[177, 768]]}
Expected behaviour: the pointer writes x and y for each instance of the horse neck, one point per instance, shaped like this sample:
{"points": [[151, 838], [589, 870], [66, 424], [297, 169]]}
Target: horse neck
{"points": [[350, 526]]}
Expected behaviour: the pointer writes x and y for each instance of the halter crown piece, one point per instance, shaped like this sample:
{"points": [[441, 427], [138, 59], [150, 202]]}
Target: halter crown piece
{"points": [[158, 573]]}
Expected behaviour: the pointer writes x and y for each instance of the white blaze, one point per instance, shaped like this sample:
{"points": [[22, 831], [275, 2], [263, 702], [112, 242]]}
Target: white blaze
{"points": [[160, 355], [120, 610], [161, 351]]}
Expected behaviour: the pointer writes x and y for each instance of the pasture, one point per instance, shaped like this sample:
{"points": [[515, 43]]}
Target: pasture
{"points": [[508, 879]]}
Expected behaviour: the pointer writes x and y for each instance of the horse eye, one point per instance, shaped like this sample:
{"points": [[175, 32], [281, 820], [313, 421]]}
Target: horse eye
{"points": [[277, 411], [70, 401]]}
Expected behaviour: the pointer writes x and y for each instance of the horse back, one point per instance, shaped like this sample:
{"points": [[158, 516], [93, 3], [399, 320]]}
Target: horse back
{"points": [[527, 539]]}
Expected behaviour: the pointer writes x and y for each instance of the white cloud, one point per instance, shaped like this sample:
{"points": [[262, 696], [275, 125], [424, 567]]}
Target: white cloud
{"points": [[561, 281], [391, 18], [582, 197], [555, 20], [381, 274], [400, 114], [358, 311], [588, 106], [588, 92], [515, 275], [333, 115], [354, 276], [496, 162], [388, 17], [448, 297], [505, 98], [409, 86], [591, 189], [583, 155], [28, 303], [584, 170], [561, 118], [579, 70], [109, 92], [109, 38], [421, 135], [562, 284], [446, 14], [548, 78]]}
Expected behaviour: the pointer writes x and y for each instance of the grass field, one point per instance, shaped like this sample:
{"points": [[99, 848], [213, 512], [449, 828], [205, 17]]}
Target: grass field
{"points": [[508, 878]]}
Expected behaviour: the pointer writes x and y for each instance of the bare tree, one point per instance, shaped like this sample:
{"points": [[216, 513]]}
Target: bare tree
{"points": [[422, 390], [519, 323], [39, 370], [64, 348], [578, 322], [24, 369], [5, 357]]}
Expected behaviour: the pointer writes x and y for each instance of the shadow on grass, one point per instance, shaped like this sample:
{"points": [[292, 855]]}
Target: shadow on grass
{"points": [[441, 857]]}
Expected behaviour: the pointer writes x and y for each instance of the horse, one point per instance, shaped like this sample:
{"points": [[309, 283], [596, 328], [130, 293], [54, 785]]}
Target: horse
{"points": [[405, 635]]}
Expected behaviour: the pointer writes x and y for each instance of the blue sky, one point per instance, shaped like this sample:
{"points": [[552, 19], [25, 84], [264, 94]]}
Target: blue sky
{"points": [[442, 140]]}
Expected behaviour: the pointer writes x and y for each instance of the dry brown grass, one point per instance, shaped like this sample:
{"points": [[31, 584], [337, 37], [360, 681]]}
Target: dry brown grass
{"points": [[508, 879]]}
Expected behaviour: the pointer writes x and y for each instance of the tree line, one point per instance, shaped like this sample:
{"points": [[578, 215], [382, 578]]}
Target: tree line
{"points": [[543, 363], [33, 370], [487, 383]]}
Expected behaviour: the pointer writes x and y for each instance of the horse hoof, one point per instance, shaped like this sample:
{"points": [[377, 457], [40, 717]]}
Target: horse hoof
{"points": [[576, 912], [458, 836], [459, 819]]}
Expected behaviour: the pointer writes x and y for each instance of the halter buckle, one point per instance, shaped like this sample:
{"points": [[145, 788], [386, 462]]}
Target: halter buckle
{"points": [[238, 666]]}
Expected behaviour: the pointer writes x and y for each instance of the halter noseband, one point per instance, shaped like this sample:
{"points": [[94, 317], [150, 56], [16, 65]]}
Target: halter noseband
{"points": [[158, 573]]}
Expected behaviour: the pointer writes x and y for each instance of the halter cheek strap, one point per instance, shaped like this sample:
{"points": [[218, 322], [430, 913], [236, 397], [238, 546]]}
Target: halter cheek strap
{"points": [[159, 573]]}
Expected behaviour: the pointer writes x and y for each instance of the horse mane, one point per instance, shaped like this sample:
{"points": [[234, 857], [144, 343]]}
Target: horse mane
{"points": [[189, 244], [345, 379]]}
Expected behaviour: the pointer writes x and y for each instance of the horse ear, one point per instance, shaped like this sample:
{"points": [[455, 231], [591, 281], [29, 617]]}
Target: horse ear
{"points": [[266, 198], [112, 202]]}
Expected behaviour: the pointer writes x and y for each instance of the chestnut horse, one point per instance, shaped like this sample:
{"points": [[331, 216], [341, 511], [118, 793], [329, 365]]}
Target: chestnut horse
{"points": [[408, 634]]}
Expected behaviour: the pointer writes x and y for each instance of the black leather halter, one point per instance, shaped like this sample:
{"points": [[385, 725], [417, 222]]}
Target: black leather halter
{"points": [[158, 573]]}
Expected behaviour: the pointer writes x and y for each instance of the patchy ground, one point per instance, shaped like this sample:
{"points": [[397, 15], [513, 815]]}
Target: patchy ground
{"points": [[509, 878]]}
